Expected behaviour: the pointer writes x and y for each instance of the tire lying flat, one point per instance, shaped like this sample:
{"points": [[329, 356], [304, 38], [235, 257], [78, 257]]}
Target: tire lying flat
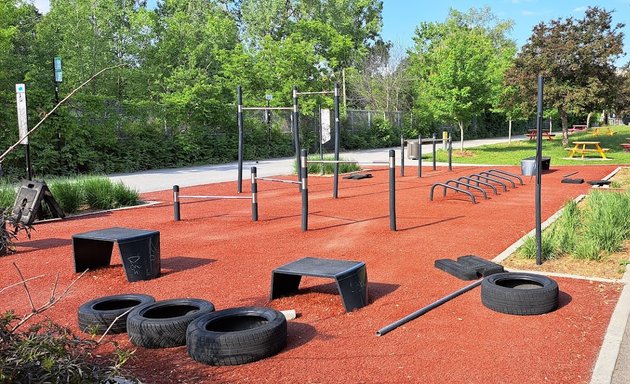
{"points": [[236, 335], [519, 293], [97, 315], [163, 324]]}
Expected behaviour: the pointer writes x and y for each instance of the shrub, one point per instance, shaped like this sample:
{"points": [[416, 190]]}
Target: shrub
{"points": [[68, 194], [548, 250]]}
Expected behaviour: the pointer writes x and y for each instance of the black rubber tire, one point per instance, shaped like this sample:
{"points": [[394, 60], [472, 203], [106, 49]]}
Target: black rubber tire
{"points": [[97, 315], [163, 324], [236, 335], [519, 293]]}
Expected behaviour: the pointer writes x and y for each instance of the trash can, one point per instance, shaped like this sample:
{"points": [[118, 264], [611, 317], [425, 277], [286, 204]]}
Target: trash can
{"points": [[528, 165], [413, 149]]}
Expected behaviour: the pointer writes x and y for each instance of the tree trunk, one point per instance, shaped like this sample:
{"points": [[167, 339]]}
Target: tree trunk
{"points": [[565, 126], [588, 120], [461, 135]]}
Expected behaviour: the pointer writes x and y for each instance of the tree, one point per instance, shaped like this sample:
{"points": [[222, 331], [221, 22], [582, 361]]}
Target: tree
{"points": [[576, 59], [459, 65]]}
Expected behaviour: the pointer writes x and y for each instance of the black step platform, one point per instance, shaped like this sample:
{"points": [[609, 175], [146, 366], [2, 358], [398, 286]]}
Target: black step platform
{"points": [[351, 278], [468, 267]]}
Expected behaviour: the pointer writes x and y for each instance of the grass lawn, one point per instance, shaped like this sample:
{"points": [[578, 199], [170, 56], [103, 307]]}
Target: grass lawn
{"points": [[513, 153]]}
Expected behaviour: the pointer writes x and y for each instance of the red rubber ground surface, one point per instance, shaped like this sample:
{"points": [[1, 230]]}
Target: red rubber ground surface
{"points": [[217, 253]]}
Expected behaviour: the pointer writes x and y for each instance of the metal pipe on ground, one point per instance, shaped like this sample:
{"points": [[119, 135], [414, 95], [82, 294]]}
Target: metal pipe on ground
{"points": [[426, 309]]}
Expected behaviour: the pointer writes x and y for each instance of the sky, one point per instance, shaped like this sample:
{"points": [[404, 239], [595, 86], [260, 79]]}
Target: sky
{"points": [[401, 17]]}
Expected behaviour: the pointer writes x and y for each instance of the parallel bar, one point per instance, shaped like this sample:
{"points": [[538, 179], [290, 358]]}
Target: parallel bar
{"points": [[337, 139], [426, 309], [239, 118], [419, 155], [296, 135], [539, 127], [267, 108], [316, 93], [434, 141], [450, 153], [278, 180], [332, 161], [392, 190], [213, 197], [402, 154]]}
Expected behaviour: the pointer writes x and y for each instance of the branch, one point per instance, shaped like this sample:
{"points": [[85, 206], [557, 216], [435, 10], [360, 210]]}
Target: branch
{"points": [[112, 324], [20, 282], [28, 293], [11, 148]]}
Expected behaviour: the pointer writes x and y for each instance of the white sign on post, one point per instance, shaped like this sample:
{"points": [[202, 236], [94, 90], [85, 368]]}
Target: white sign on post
{"points": [[20, 95], [325, 119]]}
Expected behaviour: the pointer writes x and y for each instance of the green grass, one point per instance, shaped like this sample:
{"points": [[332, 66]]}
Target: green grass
{"points": [[513, 153], [591, 232], [81, 193], [329, 168]]}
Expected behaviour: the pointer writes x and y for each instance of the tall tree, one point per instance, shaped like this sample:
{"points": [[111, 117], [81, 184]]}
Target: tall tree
{"points": [[459, 65], [576, 57]]}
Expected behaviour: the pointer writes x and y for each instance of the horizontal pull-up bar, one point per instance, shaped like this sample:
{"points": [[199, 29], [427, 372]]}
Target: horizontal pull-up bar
{"points": [[266, 108], [279, 180], [315, 93]]}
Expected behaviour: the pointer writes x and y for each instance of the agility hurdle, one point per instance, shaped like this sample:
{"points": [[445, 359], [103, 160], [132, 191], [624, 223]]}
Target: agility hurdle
{"points": [[253, 197], [392, 180]]}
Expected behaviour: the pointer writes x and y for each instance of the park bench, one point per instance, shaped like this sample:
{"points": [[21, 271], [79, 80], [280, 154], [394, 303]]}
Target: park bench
{"points": [[625, 146], [578, 128]]}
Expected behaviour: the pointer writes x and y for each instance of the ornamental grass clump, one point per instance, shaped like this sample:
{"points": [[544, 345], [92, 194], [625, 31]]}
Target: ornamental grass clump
{"points": [[329, 168]]}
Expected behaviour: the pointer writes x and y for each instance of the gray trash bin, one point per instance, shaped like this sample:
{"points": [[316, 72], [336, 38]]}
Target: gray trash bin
{"points": [[528, 165], [413, 149]]}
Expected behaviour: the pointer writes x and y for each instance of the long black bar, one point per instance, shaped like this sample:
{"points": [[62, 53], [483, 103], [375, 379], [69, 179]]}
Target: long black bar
{"points": [[392, 190], [472, 197], [402, 153], [239, 119], [467, 185], [434, 137], [304, 188], [426, 309], [296, 135], [539, 127], [479, 182], [492, 174], [337, 134], [517, 177], [450, 153]]}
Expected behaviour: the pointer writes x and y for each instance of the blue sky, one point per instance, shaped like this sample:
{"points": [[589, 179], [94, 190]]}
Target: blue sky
{"points": [[400, 17]]}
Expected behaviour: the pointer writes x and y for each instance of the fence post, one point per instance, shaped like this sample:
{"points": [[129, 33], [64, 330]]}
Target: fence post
{"points": [[434, 139], [304, 168], [392, 190], [254, 175]]}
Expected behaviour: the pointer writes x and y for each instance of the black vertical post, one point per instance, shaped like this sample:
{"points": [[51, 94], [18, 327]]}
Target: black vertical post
{"points": [[176, 203], [304, 184], [402, 153], [239, 119], [337, 140], [254, 175], [539, 128], [392, 190], [419, 155], [321, 138], [29, 168], [434, 140], [296, 135], [450, 152]]}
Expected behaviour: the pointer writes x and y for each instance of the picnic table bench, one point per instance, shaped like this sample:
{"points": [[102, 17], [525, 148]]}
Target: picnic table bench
{"points": [[578, 128], [625, 146], [533, 133], [580, 147], [603, 130]]}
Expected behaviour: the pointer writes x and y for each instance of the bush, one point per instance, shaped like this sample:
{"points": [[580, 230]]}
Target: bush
{"points": [[49, 353]]}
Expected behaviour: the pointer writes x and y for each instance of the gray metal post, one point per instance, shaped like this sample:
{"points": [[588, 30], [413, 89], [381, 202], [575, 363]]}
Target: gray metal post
{"points": [[392, 190], [176, 203], [419, 155], [450, 153], [303, 167], [254, 175], [434, 139], [337, 140], [296, 135], [239, 119], [539, 128], [402, 153]]}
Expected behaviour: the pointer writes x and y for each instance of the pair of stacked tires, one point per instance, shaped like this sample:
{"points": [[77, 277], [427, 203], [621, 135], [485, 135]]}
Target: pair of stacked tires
{"points": [[227, 337]]}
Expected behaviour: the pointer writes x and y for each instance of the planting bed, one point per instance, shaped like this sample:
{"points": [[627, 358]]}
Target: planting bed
{"points": [[217, 253]]}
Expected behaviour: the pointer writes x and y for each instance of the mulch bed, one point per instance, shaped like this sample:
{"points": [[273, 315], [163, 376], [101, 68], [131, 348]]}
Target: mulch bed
{"points": [[217, 253]]}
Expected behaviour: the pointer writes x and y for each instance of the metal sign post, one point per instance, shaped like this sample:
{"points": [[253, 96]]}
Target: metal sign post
{"points": [[20, 95]]}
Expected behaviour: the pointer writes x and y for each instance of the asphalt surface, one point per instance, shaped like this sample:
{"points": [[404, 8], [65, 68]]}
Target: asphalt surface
{"points": [[613, 363]]}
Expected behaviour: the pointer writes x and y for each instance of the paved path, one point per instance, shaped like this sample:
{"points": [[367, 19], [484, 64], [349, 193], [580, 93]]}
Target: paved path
{"points": [[613, 363]]}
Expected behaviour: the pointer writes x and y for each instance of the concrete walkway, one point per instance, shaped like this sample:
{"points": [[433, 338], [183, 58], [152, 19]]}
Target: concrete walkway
{"points": [[613, 363]]}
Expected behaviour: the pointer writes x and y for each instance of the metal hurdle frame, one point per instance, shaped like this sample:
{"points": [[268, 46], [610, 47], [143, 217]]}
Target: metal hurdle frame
{"points": [[253, 197]]}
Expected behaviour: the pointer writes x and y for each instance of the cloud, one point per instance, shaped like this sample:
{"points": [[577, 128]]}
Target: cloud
{"points": [[580, 10]]}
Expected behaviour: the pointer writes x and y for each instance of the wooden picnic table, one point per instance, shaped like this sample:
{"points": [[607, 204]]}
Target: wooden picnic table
{"points": [[583, 147], [603, 130], [532, 133]]}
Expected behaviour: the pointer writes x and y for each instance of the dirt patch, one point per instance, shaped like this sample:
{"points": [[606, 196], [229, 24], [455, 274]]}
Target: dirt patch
{"points": [[612, 266]]}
